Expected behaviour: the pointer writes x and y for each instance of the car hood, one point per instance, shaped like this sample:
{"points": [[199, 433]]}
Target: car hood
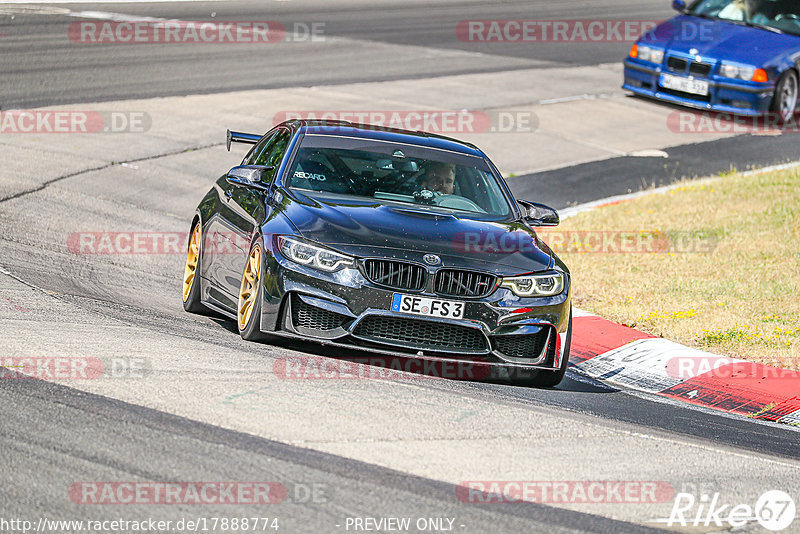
{"points": [[366, 228], [720, 40]]}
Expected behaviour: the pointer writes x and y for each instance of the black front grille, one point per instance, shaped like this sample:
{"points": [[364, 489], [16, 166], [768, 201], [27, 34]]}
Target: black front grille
{"points": [[456, 283], [524, 346], [699, 69], [308, 316], [395, 274], [420, 334], [676, 64]]}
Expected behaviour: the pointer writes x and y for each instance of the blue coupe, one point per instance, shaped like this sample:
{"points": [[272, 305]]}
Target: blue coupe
{"points": [[734, 56]]}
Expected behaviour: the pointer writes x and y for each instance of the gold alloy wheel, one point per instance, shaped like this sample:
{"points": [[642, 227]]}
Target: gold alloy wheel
{"points": [[192, 257], [248, 292]]}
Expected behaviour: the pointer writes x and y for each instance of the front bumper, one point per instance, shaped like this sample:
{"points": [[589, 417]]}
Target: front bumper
{"points": [[345, 309], [725, 95]]}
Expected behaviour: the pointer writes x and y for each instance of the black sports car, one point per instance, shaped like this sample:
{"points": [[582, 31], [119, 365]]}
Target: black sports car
{"points": [[401, 242]]}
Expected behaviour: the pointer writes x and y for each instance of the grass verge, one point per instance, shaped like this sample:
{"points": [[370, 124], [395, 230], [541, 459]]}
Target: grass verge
{"points": [[713, 264]]}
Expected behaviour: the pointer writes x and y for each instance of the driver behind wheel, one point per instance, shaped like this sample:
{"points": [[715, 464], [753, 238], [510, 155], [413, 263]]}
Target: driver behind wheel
{"points": [[747, 10], [439, 177]]}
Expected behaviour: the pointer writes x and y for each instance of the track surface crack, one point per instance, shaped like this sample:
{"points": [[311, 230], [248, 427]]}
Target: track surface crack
{"points": [[57, 179]]}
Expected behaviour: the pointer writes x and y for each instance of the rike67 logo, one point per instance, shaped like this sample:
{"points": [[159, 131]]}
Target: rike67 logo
{"points": [[774, 510]]}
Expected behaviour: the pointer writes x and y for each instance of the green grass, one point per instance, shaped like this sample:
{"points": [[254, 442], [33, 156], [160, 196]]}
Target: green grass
{"points": [[734, 290]]}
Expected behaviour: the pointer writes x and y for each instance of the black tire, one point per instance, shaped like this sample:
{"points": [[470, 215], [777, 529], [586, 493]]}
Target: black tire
{"points": [[784, 103], [191, 302], [546, 379], [251, 330]]}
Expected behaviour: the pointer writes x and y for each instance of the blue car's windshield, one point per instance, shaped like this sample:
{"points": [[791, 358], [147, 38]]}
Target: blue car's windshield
{"points": [[782, 15], [389, 172]]}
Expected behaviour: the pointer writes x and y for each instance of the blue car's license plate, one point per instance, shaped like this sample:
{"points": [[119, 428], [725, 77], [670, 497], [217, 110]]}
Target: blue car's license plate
{"points": [[686, 85], [427, 306]]}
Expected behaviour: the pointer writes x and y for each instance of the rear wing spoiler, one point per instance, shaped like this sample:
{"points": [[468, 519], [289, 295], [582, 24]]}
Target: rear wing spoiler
{"points": [[241, 137]]}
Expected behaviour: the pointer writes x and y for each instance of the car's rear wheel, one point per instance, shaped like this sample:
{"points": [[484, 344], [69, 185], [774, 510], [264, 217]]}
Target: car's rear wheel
{"points": [[784, 103], [249, 307], [547, 379], [191, 273]]}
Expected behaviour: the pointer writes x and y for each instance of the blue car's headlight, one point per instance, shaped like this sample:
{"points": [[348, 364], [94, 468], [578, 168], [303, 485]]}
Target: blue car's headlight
{"points": [[305, 253], [535, 285], [742, 72], [648, 53], [729, 70]]}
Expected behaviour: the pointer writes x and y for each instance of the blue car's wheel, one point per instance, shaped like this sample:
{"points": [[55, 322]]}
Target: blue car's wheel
{"points": [[784, 103]]}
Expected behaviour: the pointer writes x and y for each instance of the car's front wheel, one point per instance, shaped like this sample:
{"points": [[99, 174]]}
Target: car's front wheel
{"points": [[547, 379], [784, 103], [249, 307]]}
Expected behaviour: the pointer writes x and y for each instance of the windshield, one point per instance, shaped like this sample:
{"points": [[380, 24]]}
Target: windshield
{"points": [[392, 172], [783, 15]]}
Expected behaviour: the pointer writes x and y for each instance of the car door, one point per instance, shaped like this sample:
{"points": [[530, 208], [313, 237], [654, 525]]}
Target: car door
{"points": [[220, 232], [243, 210]]}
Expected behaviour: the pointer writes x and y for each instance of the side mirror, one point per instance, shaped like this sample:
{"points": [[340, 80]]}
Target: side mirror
{"points": [[679, 5], [539, 214], [250, 176]]}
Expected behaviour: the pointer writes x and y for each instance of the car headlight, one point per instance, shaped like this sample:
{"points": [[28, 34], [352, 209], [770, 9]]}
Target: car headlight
{"points": [[742, 72], [535, 285], [314, 256], [648, 53]]}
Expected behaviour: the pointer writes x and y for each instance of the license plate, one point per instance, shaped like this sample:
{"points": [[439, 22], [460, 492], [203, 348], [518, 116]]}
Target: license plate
{"points": [[686, 85], [426, 306]]}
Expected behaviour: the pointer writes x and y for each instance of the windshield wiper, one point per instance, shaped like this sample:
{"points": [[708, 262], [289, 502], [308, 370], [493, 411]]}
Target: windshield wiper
{"points": [[764, 27], [700, 15], [753, 25]]}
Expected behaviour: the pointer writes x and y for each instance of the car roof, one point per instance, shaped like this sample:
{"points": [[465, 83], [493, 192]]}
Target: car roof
{"points": [[383, 133]]}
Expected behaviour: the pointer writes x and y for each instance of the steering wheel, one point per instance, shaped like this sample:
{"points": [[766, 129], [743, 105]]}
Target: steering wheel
{"points": [[457, 202], [790, 16]]}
